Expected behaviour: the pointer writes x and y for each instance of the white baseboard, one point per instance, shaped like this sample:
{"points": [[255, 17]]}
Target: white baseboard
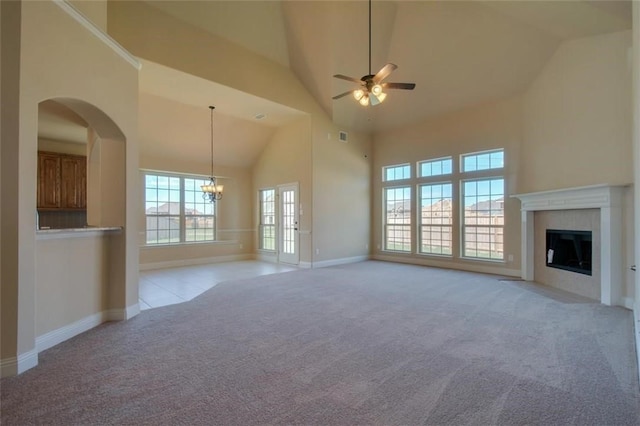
{"points": [[342, 261], [61, 334], [132, 311], [636, 333], [305, 265], [197, 261], [627, 302], [469, 267], [264, 257], [13, 366]]}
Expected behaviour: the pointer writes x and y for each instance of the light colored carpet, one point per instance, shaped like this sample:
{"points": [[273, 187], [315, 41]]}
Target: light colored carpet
{"points": [[366, 343]]}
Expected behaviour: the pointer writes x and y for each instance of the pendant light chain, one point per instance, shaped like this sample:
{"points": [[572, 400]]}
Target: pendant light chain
{"points": [[211, 191], [212, 108], [369, 37]]}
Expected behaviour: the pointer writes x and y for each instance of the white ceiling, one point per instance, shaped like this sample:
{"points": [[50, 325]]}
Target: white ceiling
{"points": [[459, 54], [57, 122]]}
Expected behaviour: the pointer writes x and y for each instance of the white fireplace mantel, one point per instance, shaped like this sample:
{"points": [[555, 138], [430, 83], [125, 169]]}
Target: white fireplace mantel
{"points": [[607, 198]]}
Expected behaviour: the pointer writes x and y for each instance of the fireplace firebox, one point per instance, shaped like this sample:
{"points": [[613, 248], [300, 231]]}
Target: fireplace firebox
{"points": [[569, 250]]}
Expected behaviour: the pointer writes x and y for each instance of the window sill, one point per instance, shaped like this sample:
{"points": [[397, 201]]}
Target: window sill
{"points": [[436, 255], [482, 260]]}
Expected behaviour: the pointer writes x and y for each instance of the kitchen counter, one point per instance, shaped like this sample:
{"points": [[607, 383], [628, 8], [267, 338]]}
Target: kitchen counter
{"points": [[87, 231]]}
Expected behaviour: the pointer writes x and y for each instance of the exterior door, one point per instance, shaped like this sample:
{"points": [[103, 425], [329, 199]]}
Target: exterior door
{"points": [[288, 236]]}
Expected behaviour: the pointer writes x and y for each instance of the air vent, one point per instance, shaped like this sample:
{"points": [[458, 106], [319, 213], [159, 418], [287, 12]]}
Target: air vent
{"points": [[343, 136]]}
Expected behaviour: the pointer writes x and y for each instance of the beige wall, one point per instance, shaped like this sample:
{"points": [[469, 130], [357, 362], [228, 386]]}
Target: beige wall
{"points": [[94, 10], [341, 194], [571, 128], [157, 37], [10, 13], [578, 125], [153, 35], [494, 125], [69, 290], [577, 117], [287, 159], [102, 88]]}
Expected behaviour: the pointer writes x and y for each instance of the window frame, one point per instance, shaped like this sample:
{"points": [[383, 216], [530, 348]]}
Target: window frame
{"points": [[182, 217], [433, 160], [419, 218], [477, 154], [385, 224], [396, 166], [261, 224], [463, 225]]}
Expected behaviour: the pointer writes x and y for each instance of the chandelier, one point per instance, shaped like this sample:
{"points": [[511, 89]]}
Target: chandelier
{"points": [[212, 191]]}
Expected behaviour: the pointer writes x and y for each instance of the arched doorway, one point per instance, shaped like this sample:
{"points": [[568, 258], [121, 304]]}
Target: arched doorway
{"points": [[80, 277]]}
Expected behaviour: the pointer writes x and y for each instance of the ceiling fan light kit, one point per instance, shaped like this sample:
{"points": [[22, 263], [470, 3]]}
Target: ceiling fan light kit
{"points": [[371, 89]]}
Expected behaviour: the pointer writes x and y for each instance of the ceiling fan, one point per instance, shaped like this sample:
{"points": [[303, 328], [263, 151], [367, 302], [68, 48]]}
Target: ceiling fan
{"points": [[371, 90]]}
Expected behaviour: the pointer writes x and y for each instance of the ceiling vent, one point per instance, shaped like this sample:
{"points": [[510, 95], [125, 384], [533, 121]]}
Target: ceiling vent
{"points": [[342, 136]]}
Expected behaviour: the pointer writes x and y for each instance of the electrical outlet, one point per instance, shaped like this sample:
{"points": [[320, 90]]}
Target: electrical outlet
{"points": [[510, 258], [241, 246], [317, 251], [366, 246]]}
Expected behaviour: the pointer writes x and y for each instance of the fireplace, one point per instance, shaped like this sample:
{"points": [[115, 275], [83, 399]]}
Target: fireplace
{"points": [[569, 250], [607, 200]]}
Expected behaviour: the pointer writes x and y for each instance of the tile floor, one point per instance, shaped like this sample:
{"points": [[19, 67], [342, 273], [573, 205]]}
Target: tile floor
{"points": [[161, 287]]}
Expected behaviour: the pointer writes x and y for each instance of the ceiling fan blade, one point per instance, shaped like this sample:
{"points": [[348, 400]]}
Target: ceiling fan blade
{"points": [[342, 95], [384, 72], [344, 77], [404, 86]]}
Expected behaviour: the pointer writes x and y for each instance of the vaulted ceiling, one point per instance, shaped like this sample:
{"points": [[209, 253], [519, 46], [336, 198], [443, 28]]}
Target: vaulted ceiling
{"points": [[459, 53]]}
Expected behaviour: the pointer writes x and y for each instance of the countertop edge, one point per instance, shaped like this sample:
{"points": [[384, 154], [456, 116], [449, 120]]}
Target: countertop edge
{"points": [[45, 234]]}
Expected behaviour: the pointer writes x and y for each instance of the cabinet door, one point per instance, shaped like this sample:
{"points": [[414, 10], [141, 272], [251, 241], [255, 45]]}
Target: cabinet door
{"points": [[48, 180], [73, 181]]}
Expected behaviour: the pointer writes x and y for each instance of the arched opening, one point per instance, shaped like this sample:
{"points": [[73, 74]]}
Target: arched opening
{"points": [[81, 206], [87, 151]]}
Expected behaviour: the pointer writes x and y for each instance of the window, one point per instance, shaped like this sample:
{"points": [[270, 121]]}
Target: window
{"points": [[175, 211], [267, 229], [436, 219], [441, 166], [483, 160], [399, 172], [199, 219], [483, 218], [397, 219]]}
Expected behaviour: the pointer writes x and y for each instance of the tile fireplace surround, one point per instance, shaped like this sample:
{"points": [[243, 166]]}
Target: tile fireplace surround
{"points": [[606, 198]]}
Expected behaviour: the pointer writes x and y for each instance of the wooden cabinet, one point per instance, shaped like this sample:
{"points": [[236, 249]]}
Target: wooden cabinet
{"points": [[62, 181], [73, 182], [48, 180]]}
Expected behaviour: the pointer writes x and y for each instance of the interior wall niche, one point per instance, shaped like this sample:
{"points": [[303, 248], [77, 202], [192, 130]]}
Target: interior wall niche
{"points": [[580, 220]]}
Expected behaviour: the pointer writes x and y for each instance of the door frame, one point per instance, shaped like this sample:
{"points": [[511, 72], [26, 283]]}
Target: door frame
{"points": [[289, 258]]}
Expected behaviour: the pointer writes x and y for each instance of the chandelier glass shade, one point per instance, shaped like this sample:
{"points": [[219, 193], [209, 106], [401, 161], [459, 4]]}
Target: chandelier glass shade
{"points": [[212, 191]]}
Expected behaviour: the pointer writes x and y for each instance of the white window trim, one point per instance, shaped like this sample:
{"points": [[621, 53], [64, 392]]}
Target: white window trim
{"points": [[182, 230], [480, 177]]}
